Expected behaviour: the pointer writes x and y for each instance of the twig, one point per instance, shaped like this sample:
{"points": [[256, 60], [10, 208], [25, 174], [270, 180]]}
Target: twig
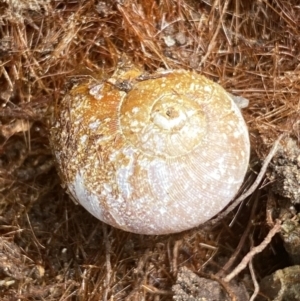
{"points": [[253, 252], [226, 286], [108, 263], [175, 256], [256, 286], [242, 240]]}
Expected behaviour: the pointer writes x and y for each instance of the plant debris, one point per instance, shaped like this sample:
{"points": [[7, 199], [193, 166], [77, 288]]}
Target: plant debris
{"points": [[51, 249]]}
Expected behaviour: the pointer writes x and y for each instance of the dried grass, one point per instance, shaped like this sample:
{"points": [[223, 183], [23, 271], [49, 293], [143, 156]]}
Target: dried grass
{"points": [[49, 248]]}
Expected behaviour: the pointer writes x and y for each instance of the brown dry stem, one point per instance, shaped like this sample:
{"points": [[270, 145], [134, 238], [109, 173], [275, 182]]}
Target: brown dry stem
{"points": [[250, 47], [258, 249], [254, 280]]}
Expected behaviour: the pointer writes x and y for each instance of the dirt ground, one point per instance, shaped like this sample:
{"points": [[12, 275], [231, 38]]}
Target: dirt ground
{"points": [[52, 249]]}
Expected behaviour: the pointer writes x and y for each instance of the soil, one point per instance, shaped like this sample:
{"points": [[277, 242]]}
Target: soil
{"points": [[51, 248]]}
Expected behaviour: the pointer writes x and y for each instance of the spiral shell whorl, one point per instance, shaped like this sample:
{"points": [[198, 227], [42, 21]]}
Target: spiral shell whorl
{"points": [[164, 157]]}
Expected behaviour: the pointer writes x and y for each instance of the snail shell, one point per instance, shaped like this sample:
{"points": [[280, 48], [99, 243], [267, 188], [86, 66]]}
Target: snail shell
{"points": [[163, 156]]}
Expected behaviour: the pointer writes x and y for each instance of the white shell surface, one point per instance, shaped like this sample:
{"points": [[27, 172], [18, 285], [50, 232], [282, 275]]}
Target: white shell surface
{"points": [[164, 157]]}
